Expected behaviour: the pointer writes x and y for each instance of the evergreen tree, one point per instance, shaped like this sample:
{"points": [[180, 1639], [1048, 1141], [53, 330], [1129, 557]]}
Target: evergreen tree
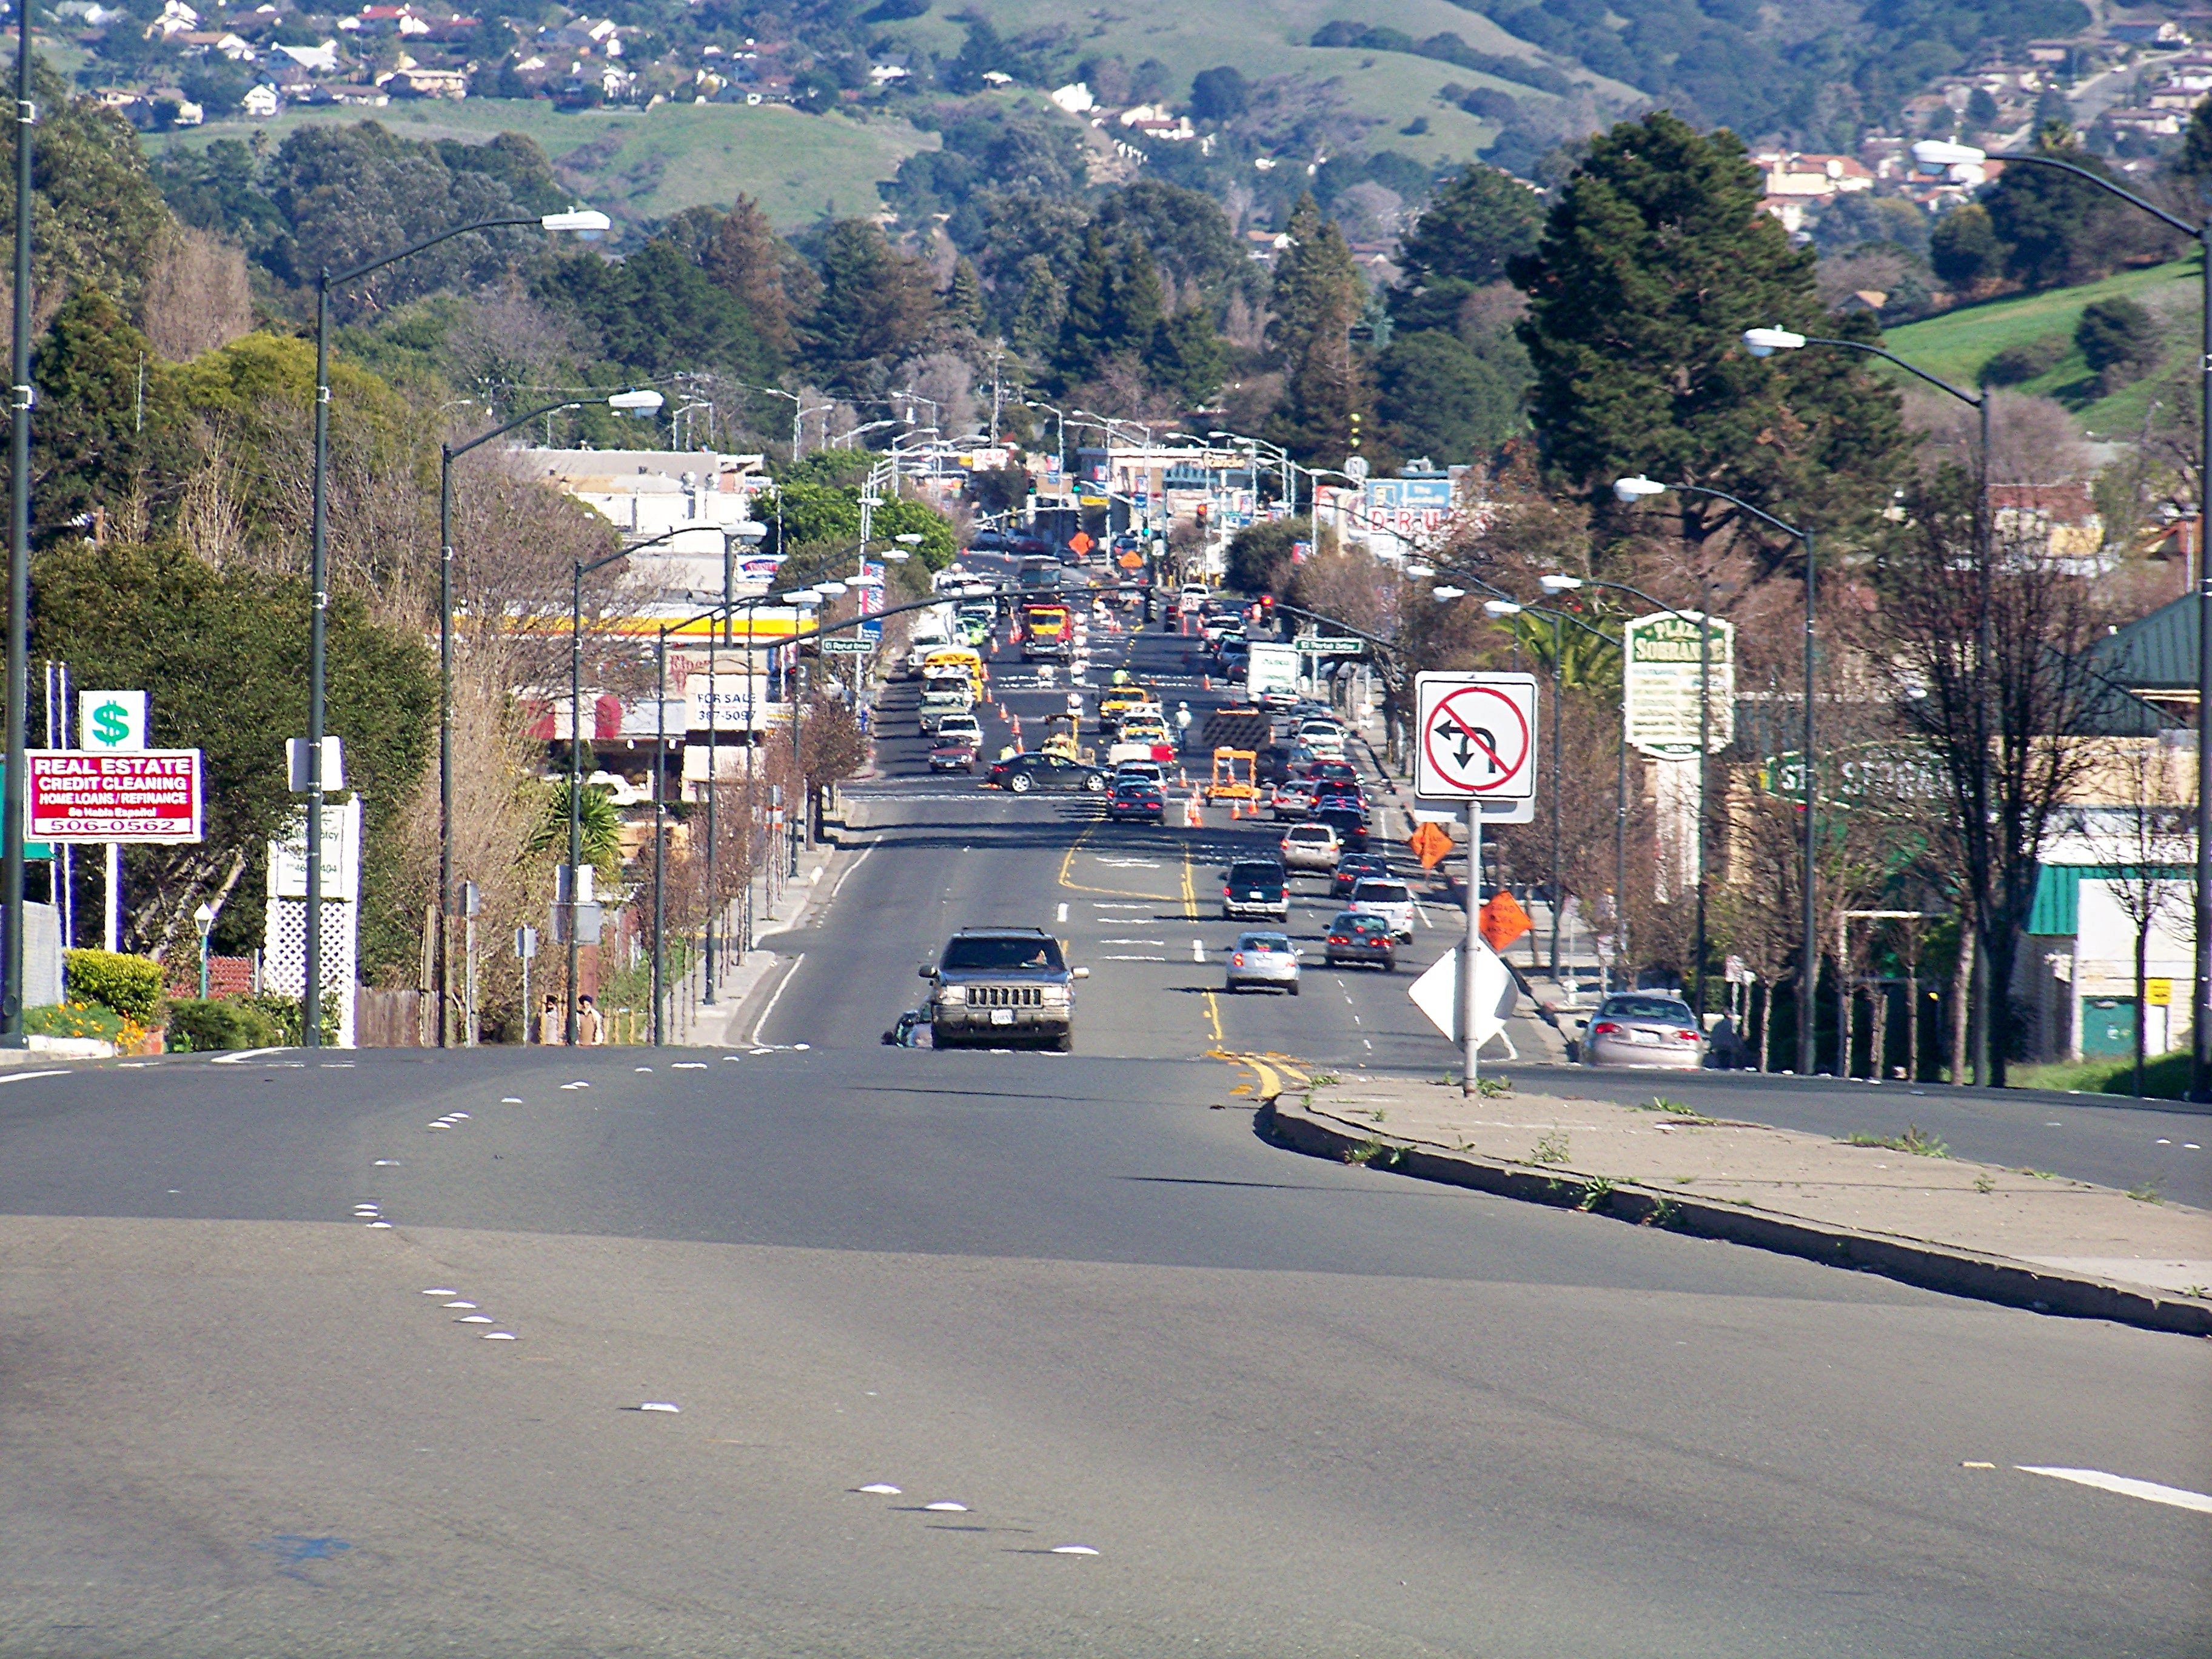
{"points": [[1316, 284], [1186, 356], [1138, 307], [1087, 319], [2057, 230], [748, 260], [1441, 400], [89, 449], [875, 302], [963, 295], [1963, 249], [1655, 257], [1033, 328], [1463, 240], [2194, 161]]}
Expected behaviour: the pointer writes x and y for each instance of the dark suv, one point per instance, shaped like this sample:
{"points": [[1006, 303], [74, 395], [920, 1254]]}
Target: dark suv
{"points": [[1255, 887], [996, 986]]}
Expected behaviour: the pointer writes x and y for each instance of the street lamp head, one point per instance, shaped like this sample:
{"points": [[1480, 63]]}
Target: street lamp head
{"points": [[1420, 573], [1556, 583], [643, 405], [1634, 490], [1501, 608], [805, 597], [1765, 342], [830, 590], [203, 919], [1447, 594], [912, 538], [897, 555], [1937, 155], [748, 529], [589, 222]]}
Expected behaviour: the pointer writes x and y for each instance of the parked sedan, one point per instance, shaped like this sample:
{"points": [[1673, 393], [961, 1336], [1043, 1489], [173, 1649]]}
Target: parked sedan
{"points": [[1310, 846], [1136, 800], [1047, 774], [1639, 1028], [1362, 939], [1267, 960]]}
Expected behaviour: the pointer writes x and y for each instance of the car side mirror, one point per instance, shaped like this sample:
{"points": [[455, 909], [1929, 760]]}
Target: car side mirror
{"points": [[1078, 973], [926, 971]]}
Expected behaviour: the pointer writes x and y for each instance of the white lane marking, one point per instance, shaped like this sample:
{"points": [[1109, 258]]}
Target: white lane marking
{"points": [[1198, 950], [1133, 941], [847, 876], [25, 1077], [244, 1055], [1062, 916], [1420, 910], [2180, 1497], [775, 998], [1364, 1043], [1115, 959]]}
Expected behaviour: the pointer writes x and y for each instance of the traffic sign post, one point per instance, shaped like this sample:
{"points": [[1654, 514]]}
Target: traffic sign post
{"points": [[1476, 750]]}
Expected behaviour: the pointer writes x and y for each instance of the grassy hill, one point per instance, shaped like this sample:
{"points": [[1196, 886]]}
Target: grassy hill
{"points": [[1956, 344], [647, 164]]}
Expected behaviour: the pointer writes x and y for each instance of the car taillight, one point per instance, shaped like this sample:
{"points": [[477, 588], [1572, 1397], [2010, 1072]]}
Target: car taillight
{"points": [[1686, 1036], [1226, 892], [1605, 1028], [1237, 961], [1338, 938]]}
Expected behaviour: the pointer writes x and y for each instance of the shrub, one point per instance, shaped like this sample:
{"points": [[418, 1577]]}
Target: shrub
{"points": [[203, 1026], [74, 1020], [2119, 339], [2024, 362], [284, 1012], [131, 986]]}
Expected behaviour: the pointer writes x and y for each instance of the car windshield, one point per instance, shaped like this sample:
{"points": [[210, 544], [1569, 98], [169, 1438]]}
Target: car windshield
{"points": [[1263, 942], [1647, 1008], [990, 955]]}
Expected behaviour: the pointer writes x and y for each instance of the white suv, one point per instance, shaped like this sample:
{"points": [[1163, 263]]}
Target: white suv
{"points": [[1391, 902], [1310, 846]]}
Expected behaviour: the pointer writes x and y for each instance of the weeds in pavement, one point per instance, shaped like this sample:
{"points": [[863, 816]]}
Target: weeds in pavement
{"points": [[1665, 1213], [2145, 1193], [2196, 1290], [1597, 1196], [1322, 1078], [1378, 1115], [2040, 1175], [1490, 1088], [1552, 1149], [1376, 1155], [1684, 1181], [1984, 1184], [1915, 1140]]}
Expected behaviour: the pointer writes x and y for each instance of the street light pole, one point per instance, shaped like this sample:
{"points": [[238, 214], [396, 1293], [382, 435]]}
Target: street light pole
{"points": [[582, 220], [14, 795]]}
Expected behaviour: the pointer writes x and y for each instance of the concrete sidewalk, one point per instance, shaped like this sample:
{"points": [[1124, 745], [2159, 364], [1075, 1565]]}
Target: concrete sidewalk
{"points": [[1905, 1209], [724, 1024]]}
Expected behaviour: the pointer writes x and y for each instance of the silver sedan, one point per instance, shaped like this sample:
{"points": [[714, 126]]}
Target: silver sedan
{"points": [[1268, 960], [1640, 1028]]}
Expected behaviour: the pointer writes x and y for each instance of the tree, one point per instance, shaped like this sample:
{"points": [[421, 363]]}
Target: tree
{"points": [[1035, 325], [1655, 257], [748, 260], [1988, 658], [1259, 554], [2195, 161], [1086, 319], [964, 296], [1186, 234], [1218, 94], [2147, 845], [223, 654], [1441, 400], [1186, 356], [2057, 229], [875, 302], [1472, 229], [655, 312], [2119, 340], [1317, 288], [1982, 112], [94, 448], [1963, 250]]}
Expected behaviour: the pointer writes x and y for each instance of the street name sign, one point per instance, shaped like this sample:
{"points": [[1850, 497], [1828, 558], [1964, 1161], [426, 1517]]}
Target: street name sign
{"points": [[139, 795], [1666, 663], [1330, 646], [1476, 742], [849, 648]]}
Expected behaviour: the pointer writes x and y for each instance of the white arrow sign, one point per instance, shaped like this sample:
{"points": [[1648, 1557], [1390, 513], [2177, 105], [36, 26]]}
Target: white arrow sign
{"points": [[1436, 993], [1476, 741]]}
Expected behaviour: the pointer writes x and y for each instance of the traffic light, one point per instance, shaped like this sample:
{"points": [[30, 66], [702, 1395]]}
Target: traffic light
{"points": [[1355, 428]]}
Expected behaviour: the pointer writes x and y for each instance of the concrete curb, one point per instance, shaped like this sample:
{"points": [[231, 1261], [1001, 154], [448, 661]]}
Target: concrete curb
{"points": [[1951, 1270]]}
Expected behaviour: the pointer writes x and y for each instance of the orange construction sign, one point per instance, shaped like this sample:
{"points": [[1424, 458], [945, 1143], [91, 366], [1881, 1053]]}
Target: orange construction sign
{"points": [[1431, 844], [1080, 543], [1132, 560], [1503, 920]]}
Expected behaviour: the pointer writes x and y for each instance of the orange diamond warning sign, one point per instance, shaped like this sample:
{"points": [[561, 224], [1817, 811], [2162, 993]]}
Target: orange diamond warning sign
{"points": [[1503, 920], [1430, 844]]}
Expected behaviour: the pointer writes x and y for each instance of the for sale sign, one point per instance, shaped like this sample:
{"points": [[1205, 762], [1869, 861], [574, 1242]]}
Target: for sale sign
{"points": [[146, 794]]}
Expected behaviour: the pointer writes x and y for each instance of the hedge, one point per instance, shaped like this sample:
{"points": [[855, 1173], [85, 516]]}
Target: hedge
{"points": [[203, 1026], [131, 986]]}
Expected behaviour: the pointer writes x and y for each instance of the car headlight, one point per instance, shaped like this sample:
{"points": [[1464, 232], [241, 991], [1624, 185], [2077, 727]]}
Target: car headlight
{"points": [[1056, 995], [952, 994]]}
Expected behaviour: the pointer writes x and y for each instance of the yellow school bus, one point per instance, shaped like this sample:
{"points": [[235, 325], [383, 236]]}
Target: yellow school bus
{"points": [[954, 657]]}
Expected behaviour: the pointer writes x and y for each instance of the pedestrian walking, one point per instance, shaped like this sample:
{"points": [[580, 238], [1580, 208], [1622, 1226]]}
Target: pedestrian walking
{"points": [[591, 1023], [549, 1030]]}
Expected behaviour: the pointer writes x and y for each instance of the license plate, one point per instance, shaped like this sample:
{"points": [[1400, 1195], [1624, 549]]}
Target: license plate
{"points": [[1644, 1036], [1253, 896], [1002, 1017]]}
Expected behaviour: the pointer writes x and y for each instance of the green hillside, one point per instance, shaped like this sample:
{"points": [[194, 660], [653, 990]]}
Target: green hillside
{"points": [[1956, 344], [647, 164]]}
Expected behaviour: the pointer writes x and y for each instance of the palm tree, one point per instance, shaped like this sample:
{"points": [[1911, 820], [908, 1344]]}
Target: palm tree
{"points": [[602, 826]]}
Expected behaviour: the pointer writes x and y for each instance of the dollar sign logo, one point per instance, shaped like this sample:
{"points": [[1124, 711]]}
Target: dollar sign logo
{"points": [[110, 725]]}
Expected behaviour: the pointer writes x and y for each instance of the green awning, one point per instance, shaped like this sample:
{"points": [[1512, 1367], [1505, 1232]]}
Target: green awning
{"points": [[2056, 912]]}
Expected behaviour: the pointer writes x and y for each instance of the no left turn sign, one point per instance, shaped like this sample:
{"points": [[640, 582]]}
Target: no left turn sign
{"points": [[1477, 742]]}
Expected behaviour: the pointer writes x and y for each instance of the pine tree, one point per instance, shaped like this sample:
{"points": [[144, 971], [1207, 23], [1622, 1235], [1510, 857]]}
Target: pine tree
{"points": [[964, 296], [90, 450], [1186, 356], [1655, 257], [876, 303], [1086, 323], [1471, 229], [758, 266], [1035, 326], [1138, 308], [1316, 284]]}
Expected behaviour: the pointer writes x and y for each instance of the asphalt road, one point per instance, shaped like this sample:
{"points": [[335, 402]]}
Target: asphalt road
{"points": [[1296, 1408]]}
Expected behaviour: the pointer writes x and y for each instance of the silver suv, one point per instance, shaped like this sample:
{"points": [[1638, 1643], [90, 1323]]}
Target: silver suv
{"points": [[996, 987]]}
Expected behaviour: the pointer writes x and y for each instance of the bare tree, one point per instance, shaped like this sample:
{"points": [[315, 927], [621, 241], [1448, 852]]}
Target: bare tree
{"points": [[1986, 658], [2146, 843]]}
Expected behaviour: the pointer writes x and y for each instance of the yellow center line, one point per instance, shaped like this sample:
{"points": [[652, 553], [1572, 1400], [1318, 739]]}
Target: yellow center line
{"points": [[1207, 999], [1068, 863]]}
